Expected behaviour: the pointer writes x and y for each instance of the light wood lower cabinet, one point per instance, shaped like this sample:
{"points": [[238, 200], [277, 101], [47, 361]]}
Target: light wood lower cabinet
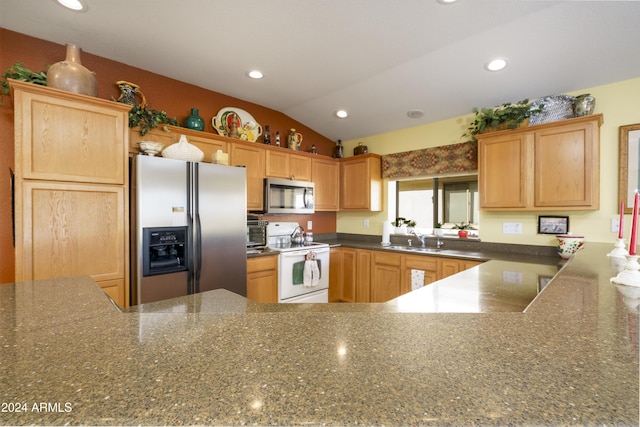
{"points": [[262, 279], [360, 275], [386, 276], [450, 266]]}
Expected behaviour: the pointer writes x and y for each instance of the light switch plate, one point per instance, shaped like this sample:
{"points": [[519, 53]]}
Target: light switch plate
{"points": [[512, 228], [309, 225], [615, 223], [365, 224]]}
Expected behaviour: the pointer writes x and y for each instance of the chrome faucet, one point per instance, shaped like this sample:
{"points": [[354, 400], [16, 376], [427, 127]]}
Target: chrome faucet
{"points": [[423, 239], [439, 243]]}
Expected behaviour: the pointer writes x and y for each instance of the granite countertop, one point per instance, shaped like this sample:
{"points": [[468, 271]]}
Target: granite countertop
{"points": [[68, 356]]}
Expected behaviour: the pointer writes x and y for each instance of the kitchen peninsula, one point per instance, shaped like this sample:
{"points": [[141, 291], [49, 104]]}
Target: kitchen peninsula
{"points": [[571, 358]]}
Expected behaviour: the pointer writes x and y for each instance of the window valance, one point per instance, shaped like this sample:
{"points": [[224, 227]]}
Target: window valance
{"points": [[446, 159]]}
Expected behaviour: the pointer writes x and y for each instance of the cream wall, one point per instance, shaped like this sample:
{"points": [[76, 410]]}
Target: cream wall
{"points": [[620, 105]]}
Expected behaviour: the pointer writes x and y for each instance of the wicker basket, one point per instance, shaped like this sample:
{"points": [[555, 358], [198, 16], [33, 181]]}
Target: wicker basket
{"points": [[555, 107]]}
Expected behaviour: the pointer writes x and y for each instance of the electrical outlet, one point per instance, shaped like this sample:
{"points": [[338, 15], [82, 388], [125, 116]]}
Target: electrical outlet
{"points": [[365, 224], [615, 225], [309, 225], [512, 228]]}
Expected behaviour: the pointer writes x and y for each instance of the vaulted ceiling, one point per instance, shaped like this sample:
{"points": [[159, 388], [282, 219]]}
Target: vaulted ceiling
{"points": [[377, 59]]}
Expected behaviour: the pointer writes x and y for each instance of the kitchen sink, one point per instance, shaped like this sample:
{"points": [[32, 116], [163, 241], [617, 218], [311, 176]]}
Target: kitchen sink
{"points": [[414, 249]]}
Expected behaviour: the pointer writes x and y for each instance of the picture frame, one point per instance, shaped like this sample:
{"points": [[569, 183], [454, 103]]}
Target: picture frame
{"points": [[553, 224], [629, 164]]}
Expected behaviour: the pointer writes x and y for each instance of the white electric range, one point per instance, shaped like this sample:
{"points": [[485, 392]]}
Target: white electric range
{"points": [[296, 282]]}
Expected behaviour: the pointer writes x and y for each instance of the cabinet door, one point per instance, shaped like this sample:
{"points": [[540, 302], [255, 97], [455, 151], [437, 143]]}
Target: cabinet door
{"points": [[502, 171], [363, 274], [300, 167], [252, 158], [566, 167], [386, 276], [71, 229], [335, 274], [325, 174], [361, 183], [277, 164], [62, 136], [262, 279], [448, 267], [349, 275]]}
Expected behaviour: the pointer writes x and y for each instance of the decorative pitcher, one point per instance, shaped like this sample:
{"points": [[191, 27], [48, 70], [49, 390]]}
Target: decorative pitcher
{"points": [[295, 139]]}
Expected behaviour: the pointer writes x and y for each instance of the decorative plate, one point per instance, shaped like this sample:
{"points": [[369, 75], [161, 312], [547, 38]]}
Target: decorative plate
{"points": [[247, 127]]}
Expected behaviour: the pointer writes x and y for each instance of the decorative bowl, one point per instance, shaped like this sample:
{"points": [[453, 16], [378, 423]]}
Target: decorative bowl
{"points": [[151, 147], [568, 244]]}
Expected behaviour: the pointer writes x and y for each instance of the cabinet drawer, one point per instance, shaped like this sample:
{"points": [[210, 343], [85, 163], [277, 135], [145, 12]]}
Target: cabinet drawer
{"points": [[386, 258], [421, 263], [262, 263]]}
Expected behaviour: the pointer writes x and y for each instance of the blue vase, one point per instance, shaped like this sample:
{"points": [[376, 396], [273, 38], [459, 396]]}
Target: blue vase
{"points": [[194, 121]]}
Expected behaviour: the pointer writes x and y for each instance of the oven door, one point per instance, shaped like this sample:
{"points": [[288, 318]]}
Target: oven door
{"points": [[291, 274]]}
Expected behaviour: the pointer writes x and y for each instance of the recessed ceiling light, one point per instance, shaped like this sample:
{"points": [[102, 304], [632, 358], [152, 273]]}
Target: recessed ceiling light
{"points": [[255, 74], [342, 114], [447, 1], [72, 4], [415, 114], [496, 64]]}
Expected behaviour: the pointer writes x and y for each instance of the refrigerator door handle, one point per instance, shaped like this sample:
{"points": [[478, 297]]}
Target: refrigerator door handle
{"points": [[198, 267]]}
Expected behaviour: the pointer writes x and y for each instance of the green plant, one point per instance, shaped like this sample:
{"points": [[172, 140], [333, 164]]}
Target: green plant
{"points": [[149, 119], [463, 226], [410, 223], [19, 72], [438, 225], [509, 115], [399, 222]]}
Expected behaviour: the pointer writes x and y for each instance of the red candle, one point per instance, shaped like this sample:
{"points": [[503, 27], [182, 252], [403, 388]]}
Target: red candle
{"points": [[634, 225], [621, 221]]}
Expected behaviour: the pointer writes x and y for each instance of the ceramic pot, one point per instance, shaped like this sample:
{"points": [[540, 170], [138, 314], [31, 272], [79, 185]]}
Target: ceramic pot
{"points": [[71, 75], [194, 121], [360, 149], [463, 234], [568, 245]]}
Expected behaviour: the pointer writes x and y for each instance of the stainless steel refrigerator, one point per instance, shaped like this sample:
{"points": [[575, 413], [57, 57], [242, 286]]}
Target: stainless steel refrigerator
{"points": [[188, 227]]}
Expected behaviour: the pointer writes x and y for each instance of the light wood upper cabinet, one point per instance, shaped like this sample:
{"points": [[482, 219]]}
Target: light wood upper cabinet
{"points": [[361, 183], [325, 174], [71, 196], [549, 166], [68, 137], [252, 157], [207, 142], [280, 164]]}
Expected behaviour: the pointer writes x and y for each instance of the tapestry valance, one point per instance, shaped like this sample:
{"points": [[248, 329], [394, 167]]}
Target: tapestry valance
{"points": [[446, 159]]}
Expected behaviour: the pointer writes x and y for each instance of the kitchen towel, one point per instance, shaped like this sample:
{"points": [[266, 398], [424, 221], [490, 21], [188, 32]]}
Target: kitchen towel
{"points": [[386, 233], [417, 279], [311, 275]]}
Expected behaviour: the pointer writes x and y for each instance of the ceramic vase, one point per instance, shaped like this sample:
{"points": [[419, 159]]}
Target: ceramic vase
{"points": [[71, 75], [194, 121]]}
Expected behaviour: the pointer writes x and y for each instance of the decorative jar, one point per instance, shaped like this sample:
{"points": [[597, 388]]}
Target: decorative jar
{"points": [[194, 121], [71, 75], [568, 244]]}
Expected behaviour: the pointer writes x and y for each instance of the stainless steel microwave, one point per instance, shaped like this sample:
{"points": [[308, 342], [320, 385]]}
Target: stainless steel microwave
{"points": [[286, 196]]}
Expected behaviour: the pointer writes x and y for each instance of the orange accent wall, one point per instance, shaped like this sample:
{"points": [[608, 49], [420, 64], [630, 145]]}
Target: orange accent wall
{"points": [[162, 93]]}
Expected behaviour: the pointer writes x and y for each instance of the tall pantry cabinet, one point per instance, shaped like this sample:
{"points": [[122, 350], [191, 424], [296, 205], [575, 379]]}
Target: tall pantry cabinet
{"points": [[71, 197]]}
